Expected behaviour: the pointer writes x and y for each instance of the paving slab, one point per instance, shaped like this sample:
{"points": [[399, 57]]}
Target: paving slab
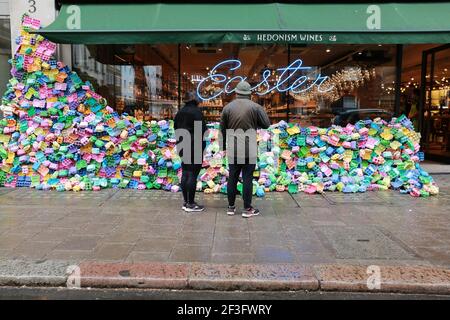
{"points": [[79, 243], [350, 198], [436, 167], [145, 256], [364, 242], [191, 253], [305, 200]]}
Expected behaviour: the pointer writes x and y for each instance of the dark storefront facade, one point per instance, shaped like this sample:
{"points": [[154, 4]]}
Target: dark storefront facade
{"points": [[306, 62]]}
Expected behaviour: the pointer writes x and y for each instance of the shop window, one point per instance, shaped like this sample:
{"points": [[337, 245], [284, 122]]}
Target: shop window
{"points": [[146, 77], [360, 77], [215, 71], [141, 80]]}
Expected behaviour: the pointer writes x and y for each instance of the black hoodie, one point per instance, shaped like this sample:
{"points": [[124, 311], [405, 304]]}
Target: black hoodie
{"points": [[185, 119]]}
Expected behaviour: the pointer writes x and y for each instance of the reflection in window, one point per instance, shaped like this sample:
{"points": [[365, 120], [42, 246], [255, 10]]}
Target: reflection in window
{"points": [[361, 77], [5, 53], [197, 62], [140, 80], [436, 116]]}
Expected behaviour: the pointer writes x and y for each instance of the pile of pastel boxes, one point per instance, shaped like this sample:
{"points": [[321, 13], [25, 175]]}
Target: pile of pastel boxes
{"points": [[57, 133]]}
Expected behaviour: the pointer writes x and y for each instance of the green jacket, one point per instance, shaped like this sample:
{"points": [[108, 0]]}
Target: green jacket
{"points": [[242, 115]]}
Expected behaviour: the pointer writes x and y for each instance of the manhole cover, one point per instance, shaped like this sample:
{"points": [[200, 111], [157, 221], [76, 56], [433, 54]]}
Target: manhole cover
{"points": [[364, 243]]}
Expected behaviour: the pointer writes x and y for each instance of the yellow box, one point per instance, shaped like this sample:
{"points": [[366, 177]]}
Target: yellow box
{"points": [[137, 174]]}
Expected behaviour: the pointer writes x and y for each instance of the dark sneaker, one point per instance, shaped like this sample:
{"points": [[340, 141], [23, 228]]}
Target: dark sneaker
{"points": [[193, 207], [250, 212], [184, 206], [231, 210]]}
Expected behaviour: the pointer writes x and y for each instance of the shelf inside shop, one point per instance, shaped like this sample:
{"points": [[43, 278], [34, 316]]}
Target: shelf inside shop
{"points": [[282, 108], [303, 107], [211, 107], [277, 114]]}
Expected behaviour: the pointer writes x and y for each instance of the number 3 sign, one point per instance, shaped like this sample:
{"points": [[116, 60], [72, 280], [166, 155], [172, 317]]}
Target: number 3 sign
{"points": [[32, 6]]}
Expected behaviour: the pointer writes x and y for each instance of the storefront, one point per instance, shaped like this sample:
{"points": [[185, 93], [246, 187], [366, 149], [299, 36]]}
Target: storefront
{"points": [[306, 62]]}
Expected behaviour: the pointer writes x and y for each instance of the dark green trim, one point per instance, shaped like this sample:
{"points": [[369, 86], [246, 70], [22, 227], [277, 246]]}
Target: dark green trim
{"points": [[250, 23], [227, 37]]}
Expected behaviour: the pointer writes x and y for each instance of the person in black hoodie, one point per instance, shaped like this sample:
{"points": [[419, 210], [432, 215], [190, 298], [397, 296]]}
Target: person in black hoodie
{"points": [[190, 128]]}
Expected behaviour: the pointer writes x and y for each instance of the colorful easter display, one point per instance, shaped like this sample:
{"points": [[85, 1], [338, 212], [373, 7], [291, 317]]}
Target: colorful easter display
{"points": [[58, 133]]}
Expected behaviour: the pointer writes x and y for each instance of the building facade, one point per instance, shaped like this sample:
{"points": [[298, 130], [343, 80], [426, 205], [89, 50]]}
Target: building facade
{"points": [[144, 56]]}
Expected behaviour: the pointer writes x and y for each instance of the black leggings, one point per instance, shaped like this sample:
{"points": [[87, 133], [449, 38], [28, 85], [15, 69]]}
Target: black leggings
{"points": [[189, 181], [247, 181]]}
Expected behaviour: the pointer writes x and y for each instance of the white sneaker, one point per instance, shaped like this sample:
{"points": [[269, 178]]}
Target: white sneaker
{"points": [[194, 207], [231, 210]]}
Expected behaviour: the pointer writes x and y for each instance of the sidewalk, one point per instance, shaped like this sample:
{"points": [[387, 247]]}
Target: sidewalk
{"points": [[134, 238]]}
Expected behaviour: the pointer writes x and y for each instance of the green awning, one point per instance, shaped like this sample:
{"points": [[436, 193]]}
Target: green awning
{"points": [[251, 23]]}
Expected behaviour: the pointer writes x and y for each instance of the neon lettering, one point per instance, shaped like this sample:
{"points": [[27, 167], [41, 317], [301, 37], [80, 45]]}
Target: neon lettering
{"points": [[291, 78]]}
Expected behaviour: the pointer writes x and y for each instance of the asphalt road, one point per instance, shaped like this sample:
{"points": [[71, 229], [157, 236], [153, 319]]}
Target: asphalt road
{"points": [[25, 293]]}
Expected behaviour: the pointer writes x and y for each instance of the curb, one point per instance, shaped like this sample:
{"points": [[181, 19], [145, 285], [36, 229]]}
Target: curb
{"points": [[27, 273], [229, 277], [394, 279]]}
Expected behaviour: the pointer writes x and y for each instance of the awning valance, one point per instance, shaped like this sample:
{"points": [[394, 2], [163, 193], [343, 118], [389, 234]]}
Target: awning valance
{"points": [[251, 23]]}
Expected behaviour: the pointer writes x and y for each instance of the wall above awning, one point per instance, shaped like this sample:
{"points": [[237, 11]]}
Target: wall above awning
{"points": [[251, 23]]}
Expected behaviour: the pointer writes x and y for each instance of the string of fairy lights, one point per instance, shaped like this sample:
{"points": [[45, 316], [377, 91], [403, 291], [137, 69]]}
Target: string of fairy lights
{"points": [[339, 84]]}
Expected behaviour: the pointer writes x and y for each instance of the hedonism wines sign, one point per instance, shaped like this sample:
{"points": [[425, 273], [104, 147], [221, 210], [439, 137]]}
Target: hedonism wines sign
{"points": [[295, 78], [290, 37]]}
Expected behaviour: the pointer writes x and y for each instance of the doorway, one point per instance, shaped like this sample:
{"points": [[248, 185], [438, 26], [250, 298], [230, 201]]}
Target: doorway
{"points": [[434, 108]]}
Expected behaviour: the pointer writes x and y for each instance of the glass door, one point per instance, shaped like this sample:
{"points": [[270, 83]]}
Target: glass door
{"points": [[434, 113]]}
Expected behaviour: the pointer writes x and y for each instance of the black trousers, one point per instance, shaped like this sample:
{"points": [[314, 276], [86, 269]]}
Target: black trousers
{"points": [[247, 182], [189, 181]]}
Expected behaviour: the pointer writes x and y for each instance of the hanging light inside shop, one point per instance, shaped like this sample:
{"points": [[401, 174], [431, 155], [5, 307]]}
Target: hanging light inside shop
{"points": [[341, 83]]}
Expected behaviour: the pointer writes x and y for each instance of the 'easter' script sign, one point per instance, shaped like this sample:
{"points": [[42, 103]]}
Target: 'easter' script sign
{"points": [[293, 78]]}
